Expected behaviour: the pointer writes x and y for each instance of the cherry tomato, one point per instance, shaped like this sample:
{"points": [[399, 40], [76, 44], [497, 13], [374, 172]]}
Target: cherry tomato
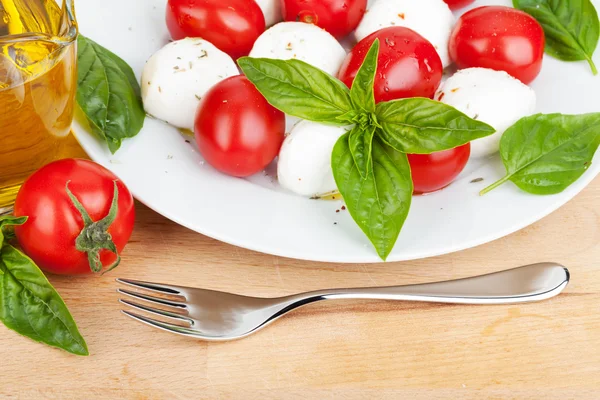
{"points": [[338, 17], [54, 223], [499, 38], [456, 4], [408, 64], [238, 132], [431, 172], [231, 25]]}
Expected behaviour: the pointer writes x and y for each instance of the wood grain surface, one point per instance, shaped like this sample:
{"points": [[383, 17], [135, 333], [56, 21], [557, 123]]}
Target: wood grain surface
{"points": [[349, 350]]}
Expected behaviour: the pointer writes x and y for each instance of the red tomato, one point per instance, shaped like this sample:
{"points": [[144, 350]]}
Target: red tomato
{"points": [[238, 132], [338, 17], [408, 65], [231, 25], [50, 233], [431, 172], [456, 4], [499, 38]]}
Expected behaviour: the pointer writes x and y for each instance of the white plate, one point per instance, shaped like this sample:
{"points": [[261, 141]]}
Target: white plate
{"points": [[168, 175]]}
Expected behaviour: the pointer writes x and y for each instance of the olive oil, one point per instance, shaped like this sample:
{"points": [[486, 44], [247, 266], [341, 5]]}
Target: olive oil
{"points": [[38, 78]]}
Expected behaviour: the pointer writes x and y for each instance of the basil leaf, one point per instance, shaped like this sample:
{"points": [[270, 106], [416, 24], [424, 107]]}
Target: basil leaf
{"points": [[6, 223], [571, 27], [544, 154], [362, 92], [30, 306], [360, 142], [299, 89], [108, 93], [423, 126], [379, 203]]}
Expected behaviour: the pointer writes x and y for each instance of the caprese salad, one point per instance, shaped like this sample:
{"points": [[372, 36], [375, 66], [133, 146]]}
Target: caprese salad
{"points": [[377, 121]]}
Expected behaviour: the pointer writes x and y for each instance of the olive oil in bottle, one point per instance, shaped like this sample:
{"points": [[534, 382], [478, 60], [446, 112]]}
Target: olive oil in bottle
{"points": [[38, 79]]}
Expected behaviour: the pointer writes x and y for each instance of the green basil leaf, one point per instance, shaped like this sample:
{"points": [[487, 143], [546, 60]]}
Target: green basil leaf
{"points": [[571, 27], [379, 204], [299, 89], [360, 141], [362, 92], [108, 93], [423, 126], [544, 154], [29, 305], [6, 224]]}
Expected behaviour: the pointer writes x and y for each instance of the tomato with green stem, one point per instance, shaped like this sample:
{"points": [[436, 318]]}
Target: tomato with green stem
{"points": [[80, 217]]}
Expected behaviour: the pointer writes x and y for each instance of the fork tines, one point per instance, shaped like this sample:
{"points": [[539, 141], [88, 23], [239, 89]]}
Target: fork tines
{"points": [[173, 312]]}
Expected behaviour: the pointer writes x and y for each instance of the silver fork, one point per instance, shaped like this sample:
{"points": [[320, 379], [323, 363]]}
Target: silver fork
{"points": [[213, 315]]}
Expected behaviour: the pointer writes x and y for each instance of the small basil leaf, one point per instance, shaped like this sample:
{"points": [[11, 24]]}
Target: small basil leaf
{"points": [[362, 92], [299, 89], [360, 141], [544, 154], [379, 203], [571, 27], [30, 306], [6, 224], [423, 126], [108, 93]]}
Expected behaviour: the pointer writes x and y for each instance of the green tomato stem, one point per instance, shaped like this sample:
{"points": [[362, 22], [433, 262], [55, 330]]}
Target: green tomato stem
{"points": [[94, 236], [494, 185]]}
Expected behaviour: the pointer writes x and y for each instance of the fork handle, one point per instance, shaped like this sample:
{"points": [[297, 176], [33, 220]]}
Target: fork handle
{"points": [[518, 285]]}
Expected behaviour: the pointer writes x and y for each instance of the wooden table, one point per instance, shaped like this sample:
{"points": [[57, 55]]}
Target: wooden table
{"points": [[351, 350]]}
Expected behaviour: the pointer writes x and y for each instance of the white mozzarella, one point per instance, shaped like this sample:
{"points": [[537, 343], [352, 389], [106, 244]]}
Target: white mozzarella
{"points": [[493, 97], [178, 75], [305, 158], [271, 10], [432, 19], [305, 42]]}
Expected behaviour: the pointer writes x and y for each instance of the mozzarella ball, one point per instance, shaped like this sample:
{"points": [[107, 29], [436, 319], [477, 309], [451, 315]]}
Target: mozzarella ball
{"points": [[176, 77], [305, 42], [271, 10], [305, 158], [432, 19], [493, 97]]}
